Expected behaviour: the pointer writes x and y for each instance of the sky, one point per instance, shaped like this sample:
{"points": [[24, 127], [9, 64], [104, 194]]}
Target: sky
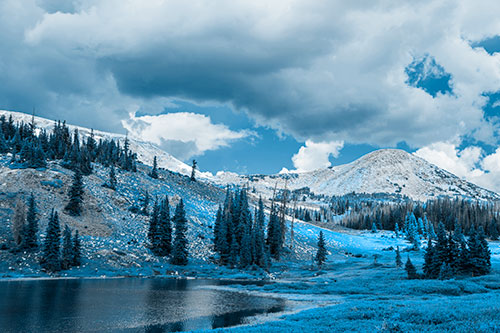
{"points": [[266, 86]]}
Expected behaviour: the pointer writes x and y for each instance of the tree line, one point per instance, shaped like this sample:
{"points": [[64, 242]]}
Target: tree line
{"points": [[58, 251]]}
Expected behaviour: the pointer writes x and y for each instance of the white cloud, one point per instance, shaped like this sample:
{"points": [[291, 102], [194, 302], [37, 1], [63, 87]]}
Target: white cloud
{"points": [[315, 155], [183, 134], [470, 163], [325, 71]]}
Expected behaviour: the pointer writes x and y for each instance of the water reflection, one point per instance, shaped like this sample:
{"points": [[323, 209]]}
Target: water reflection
{"points": [[124, 305]]}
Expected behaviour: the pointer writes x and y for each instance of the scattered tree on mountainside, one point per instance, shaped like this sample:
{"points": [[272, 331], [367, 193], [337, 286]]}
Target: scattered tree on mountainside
{"points": [[31, 227], [112, 182], [179, 248], [51, 257], [154, 171], [145, 204], [322, 252], [75, 195], [193, 170]]}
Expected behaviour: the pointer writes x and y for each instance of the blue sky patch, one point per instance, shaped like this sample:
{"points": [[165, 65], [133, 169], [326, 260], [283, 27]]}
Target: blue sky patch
{"points": [[425, 73]]}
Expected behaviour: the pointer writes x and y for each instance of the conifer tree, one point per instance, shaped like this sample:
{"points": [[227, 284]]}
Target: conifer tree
{"points": [[179, 249], [411, 271], [154, 171], [164, 229], [51, 257], [75, 195], [260, 257], [193, 170], [274, 234], [4, 148], [67, 249], [77, 252], [399, 262], [112, 178], [321, 253], [153, 228], [430, 269], [31, 229], [374, 227]]}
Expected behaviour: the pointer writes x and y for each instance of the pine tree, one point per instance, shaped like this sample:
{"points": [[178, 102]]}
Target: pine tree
{"points": [[164, 229], [153, 228], [193, 170], [399, 262], [77, 252], [4, 148], [396, 230], [112, 183], [154, 172], [441, 250], [179, 250], [260, 258], [446, 271], [51, 259], [31, 229], [274, 235], [322, 252], [431, 270], [374, 227], [75, 195], [411, 271], [67, 249]]}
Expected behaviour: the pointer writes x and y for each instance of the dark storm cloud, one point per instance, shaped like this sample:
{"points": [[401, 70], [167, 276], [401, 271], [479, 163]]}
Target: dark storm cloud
{"points": [[321, 71]]}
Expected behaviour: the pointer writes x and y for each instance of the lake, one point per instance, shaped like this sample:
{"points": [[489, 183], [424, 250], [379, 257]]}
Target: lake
{"points": [[125, 305]]}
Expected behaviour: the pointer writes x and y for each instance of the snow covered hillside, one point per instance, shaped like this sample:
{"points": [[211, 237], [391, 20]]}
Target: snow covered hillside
{"points": [[383, 171], [145, 150]]}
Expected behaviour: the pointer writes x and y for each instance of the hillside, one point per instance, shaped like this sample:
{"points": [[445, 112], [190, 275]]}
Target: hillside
{"points": [[145, 150], [391, 171]]}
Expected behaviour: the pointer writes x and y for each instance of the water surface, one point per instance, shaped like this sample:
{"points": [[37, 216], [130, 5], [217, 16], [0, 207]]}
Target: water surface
{"points": [[125, 305]]}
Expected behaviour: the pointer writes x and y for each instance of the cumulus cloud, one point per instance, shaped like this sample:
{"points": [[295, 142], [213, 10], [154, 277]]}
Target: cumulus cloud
{"points": [[470, 163], [323, 71], [183, 134], [315, 155]]}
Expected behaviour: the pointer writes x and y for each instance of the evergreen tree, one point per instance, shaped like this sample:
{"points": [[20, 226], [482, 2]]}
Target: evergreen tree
{"points": [[75, 195], [193, 170], [179, 250], [67, 249], [274, 239], [411, 271], [260, 257], [51, 258], [153, 228], [4, 148], [399, 262], [322, 252], [445, 272], [374, 227], [431, 266], [396, 230], [112, 178], [154, 171], [77, 254], [31, 229], [164, 229]]}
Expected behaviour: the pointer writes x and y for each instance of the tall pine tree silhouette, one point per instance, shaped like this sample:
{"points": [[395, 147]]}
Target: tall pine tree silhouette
{"points": [[75, 195], [51, 256], [179, 250], [31, 228]]}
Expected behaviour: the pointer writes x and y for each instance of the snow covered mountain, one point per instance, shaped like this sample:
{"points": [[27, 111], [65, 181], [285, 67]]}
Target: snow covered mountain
{"points": [[383, 171], [145, 150], [390, 171]]}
